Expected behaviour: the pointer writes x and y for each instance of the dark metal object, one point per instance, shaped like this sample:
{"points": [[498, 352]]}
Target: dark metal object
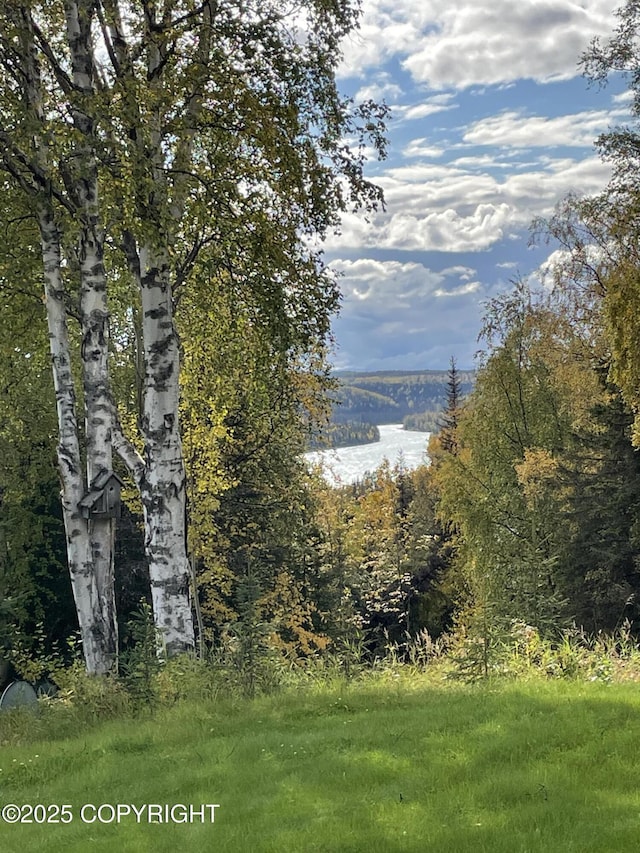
{"points": [[19, 694]]}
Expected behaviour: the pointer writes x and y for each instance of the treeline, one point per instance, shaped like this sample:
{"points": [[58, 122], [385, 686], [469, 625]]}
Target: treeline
{"points": [[424, 421], [528, 514], [539, 480], [344, 435]]}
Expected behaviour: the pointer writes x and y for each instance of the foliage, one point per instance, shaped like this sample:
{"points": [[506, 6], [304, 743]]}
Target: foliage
{"points": [[380, 561], [502, 488], [140, 662], [448, 426], [33, 584], [246, 408], [87, 699], [428, 421], [520, 651], [34, 657], [600, 478], [245, 641]]}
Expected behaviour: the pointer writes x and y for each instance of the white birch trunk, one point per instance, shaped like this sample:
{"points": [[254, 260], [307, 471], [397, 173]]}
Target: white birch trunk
{"points": [[94, 315], [96, 616], [98, 419], [162, 482], [96, 636], [160, 474], [164, 488]]}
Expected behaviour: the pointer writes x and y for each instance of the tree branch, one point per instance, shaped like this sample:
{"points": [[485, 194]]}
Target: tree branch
{"points": [[19, 163], [125, 449], [59, 73]]}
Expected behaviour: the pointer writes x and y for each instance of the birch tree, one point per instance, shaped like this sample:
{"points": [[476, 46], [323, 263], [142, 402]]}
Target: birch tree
{"points": [[141, 134], [28, 160]]}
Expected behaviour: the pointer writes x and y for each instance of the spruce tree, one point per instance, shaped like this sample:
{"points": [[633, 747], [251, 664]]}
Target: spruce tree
{"points": [[451, 415], [603, 553]]}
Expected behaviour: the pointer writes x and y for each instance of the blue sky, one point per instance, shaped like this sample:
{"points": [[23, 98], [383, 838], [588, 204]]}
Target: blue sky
{"points": [[492, 124]]}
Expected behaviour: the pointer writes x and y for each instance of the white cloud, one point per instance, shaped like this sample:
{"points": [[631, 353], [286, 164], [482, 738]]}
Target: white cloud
{"points": [[386, 286], [421, 148], [430, 106], [465, 273], [448, 230], [623, 97], [485, 161], [476, 42], [380, 88], [442, 207], [514, 130], [461, 290], [406, 314]]}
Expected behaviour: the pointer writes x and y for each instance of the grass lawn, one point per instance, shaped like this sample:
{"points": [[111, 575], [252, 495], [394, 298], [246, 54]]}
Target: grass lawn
{"points": [[376, 766]]}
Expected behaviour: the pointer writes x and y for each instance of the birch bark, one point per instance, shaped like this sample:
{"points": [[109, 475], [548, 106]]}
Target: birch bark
{"points": [[162, 480], [94, 313], [89, 543], [95, 631], [164, 490]]}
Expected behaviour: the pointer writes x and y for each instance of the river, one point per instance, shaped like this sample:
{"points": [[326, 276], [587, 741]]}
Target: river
{"points": [[348, 464]]}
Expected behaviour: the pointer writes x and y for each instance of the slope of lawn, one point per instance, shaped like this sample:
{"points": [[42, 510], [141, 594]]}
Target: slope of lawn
{"points": [[377, 766]]}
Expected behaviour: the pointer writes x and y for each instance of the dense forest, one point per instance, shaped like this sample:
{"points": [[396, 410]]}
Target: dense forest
{"points": [[191, 365], [344, 434]]}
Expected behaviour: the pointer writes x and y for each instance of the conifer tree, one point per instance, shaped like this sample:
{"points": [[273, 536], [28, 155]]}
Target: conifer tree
{"points": [[451, 414], [601, 475]]}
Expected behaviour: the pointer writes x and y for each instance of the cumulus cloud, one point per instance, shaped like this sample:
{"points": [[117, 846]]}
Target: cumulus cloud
{"points": [[446, 207], [387, 286], [406, 315], [476, 42], [448, 230], [380, 88], [421, 148], [513, 129], [426, 107]]}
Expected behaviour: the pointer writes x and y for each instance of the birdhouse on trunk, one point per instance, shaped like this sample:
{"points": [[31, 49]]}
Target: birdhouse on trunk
{"points": [[103, 498]]}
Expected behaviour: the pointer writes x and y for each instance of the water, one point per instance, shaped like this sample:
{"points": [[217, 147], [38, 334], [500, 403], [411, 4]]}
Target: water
{"points": [[348, 464]]}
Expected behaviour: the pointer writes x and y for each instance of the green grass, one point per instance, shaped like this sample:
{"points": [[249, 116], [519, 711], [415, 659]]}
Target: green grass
{"points": [[376, 766]]}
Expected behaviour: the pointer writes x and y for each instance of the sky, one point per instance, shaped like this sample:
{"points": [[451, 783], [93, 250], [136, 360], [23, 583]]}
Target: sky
{"points": [[492, 124]]}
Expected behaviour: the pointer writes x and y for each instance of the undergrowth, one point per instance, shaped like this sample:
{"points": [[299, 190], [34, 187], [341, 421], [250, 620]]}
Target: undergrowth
{"points": [[147, 683]]}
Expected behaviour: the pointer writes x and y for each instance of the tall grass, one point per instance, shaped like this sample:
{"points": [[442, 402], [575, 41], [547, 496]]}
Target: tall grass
{"points": [[391, 763], [414, 751]]}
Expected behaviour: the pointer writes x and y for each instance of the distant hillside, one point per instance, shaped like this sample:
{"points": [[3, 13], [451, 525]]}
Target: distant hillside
{"points": [[389, 396]]}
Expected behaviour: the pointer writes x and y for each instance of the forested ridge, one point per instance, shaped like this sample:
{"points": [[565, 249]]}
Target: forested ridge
{"points": [[362, 400], [383, 397], [191, 368]]}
